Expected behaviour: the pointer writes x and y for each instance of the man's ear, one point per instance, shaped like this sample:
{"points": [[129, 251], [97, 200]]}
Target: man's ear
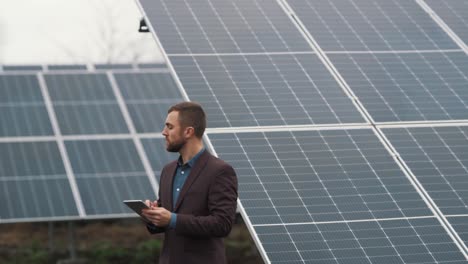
{"points": [[189, 132]]}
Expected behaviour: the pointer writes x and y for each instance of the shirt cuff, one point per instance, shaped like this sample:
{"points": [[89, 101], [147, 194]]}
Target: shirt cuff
{"points": [[173, 221]]}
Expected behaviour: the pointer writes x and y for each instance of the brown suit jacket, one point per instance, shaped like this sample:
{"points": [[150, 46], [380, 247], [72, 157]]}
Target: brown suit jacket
{"points": [[205, 209]]}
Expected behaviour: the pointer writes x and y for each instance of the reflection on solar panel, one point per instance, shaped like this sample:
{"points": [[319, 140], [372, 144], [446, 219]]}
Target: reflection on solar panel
{"points": [[454, 13], [265, 69], [76, 149]]}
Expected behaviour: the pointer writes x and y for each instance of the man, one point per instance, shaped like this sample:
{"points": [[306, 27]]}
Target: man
{"points": [[197, 193]]}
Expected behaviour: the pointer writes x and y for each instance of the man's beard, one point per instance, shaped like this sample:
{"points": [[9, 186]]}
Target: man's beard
{"points": [[175, 146]]}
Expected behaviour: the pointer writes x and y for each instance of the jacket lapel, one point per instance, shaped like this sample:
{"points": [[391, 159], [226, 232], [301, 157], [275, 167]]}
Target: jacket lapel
{"points": [[194, 173], [170, 173]]}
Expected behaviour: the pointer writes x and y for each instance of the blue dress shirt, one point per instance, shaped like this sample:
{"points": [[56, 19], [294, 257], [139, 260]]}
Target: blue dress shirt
{"points": [[181, 174]]}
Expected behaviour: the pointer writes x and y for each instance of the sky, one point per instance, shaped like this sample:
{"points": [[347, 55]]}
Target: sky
{"points": [[73, 32]]}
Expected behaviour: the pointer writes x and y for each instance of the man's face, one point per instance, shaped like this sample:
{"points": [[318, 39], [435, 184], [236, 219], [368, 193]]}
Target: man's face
{"points": [[173, 132]]}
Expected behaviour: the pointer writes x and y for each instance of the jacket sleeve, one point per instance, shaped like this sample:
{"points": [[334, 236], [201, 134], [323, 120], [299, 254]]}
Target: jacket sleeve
{"points": [[222, 204]]}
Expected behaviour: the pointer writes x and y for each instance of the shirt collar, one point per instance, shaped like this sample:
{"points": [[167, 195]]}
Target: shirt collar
{"points": [[191, 162]]}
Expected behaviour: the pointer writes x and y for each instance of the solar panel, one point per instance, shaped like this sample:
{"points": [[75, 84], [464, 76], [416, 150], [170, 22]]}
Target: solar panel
{"points": [[157, 157], [33, 182], [22, 108], [308, 192], [371, 25], [115, 66], [421, 240], [22, 67], [59, 67], [438, 157], [460, 224], [243, 26], [148, 96], [332, 196], [454, 13], [108, 172], [85, 104], [161, 65], [94, 158], [410, 86], [261, 90]]}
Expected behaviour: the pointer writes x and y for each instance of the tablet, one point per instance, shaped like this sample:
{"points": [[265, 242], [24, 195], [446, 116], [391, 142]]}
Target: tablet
{"points": [[137, 206]]}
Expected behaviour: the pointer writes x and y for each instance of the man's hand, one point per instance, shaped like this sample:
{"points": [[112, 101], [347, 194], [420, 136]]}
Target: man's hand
{"points": [[151, 204], [159, 216]]}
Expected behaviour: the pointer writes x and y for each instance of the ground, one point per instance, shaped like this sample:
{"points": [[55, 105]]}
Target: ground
{"points": [[109, 241]]}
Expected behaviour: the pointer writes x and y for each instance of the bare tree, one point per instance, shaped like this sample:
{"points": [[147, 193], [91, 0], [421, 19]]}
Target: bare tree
{"points": [[110, 38]]}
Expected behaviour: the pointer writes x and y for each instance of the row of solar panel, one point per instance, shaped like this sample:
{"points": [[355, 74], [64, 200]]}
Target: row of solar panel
{"points": [[251, 66], [332, 195], [81, 67], [249, 91], [263, 26], [284, 177], [314, 196], [34, 184], [317, 196], [84, 103]]}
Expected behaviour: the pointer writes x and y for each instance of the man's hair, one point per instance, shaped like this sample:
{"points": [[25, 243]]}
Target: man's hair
{"points": [[191, 114]]}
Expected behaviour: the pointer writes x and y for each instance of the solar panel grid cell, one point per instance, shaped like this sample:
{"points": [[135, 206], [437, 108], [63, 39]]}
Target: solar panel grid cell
{"points": [[23, 111]]}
